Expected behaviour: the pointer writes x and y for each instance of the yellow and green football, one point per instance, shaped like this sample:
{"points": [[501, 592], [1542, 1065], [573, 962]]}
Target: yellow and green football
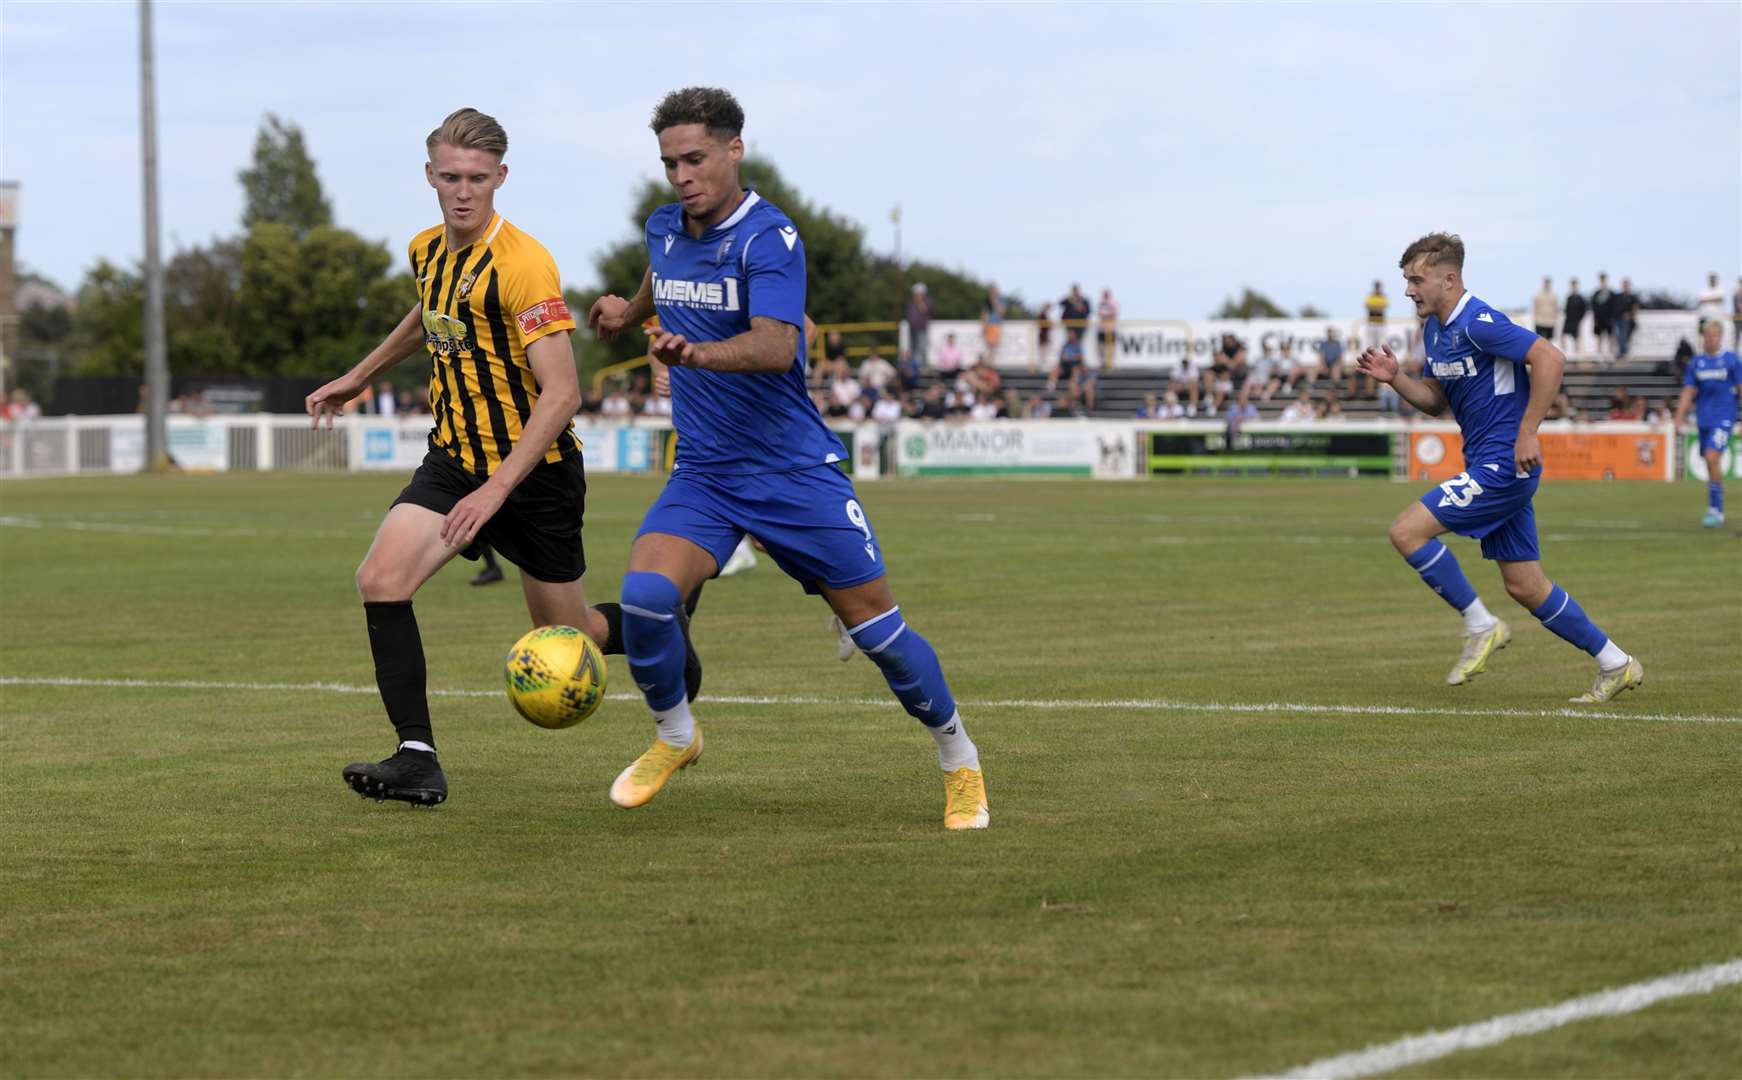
{"points": [[556, 676]]}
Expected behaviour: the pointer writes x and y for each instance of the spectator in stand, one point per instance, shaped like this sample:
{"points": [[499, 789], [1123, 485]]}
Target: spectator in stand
{"points": [[985, 408], [1290, 368], [1300, 410], [1331, 357], [1038, 408], [876, 373], [1107, 314], [1626, 317], [1150, 409], [1603, 314], [1572, 319], [656, 406], [1070, 404], [616, 404], [21, 407], [992, 321], [591, 402], [1171, 409], [907, 371], [1376, 305], [1070, 360], [1711, 300], [1664, 413], [1545, 310], [820, 399], [1333, 409], [1239, 370], [1736, 316], [1562, 408], [1042, 340], [918, 319], [844, 393], [1265, 377], [1624, 406], [1241, 411], [1184, 381], [1217, 381], [958, 399], [984, 379], [949, 358], [888, 409], [386, 399], [1074, 310]]}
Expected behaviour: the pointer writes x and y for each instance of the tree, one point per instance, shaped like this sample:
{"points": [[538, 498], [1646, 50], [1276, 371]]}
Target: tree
{"points": [[282, 187], [1251, 305], [1308, 311]]}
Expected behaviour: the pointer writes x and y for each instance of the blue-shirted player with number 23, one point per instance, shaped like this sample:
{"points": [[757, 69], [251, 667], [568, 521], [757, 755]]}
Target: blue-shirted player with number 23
{"points": [[726, 276], [1480, 364]]}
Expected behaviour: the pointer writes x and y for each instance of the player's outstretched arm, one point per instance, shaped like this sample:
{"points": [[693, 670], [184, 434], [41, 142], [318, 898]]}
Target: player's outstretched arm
{"points": [[559, 395], [611, 314], [400, 343], [1425, 394], [769, 347]]}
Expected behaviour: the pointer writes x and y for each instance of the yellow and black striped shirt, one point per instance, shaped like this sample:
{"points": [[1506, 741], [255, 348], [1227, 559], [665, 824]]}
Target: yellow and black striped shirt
{"points": [[482, 306]]}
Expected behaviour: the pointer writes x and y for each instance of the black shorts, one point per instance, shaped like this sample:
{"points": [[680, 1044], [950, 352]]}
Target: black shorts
{"points": [[539, 526]]}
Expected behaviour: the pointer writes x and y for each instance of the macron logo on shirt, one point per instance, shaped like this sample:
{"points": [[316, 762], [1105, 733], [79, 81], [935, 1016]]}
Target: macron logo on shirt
{"points": [[790, 235], [1485, 317], [711, 295]]}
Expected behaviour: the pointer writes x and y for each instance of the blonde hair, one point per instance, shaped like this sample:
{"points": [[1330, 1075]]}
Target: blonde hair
{"points": [[469, 129]]}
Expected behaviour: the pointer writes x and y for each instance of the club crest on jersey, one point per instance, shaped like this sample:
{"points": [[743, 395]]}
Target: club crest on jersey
{"points": [[466, 285], [725, 247], [711, 295]]}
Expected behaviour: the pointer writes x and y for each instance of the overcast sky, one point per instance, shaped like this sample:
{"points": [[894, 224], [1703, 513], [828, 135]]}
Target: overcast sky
{"points": [[1174, 153]]}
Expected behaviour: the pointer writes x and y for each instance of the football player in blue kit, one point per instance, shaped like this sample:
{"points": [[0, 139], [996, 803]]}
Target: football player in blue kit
{"points": [[1498, 379], [1710, 386], [726, 277]]}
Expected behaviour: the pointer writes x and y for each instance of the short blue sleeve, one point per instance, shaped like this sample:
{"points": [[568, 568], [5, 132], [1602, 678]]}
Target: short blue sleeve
{"points": [[1735, 368], [774, 275], [1501, 337], [1688, 376]]}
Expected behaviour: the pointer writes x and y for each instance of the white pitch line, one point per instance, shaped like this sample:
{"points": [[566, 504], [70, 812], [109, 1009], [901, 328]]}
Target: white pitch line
{"points": [[1091, 704], [1434, 1045]]}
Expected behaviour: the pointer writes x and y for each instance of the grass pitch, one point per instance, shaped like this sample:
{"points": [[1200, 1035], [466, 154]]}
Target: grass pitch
{"points": [[1238, 821]]}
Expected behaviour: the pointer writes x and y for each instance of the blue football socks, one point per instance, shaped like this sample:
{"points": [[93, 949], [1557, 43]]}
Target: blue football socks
{"points": [[910, 666], [652, 639], [1564, 618], [1439, 568]]}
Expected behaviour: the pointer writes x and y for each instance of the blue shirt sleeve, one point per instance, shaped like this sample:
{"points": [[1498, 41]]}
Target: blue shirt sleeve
{"points": [[1502, 337], [1688, 375], [1735, 369], [774, 275]]}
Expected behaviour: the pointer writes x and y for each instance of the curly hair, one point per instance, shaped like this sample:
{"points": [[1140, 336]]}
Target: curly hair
{"points": [[713, 108]]}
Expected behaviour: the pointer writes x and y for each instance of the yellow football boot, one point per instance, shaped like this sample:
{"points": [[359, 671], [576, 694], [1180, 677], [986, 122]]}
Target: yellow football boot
{"points": [[1478, 648], [965, 800], [1611, 683], [641, 781]]}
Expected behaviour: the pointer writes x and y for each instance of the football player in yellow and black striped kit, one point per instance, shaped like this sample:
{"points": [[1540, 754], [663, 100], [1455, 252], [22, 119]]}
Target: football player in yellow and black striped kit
{"points": [[503, 465]]}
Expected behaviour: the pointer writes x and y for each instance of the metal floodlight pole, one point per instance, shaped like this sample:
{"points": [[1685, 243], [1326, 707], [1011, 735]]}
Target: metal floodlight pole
{"points": [[156, 351]]}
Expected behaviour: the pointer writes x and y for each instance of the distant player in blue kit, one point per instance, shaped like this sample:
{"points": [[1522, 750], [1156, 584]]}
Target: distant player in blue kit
{"points": [[1480, 364], [727, 280], [1710, 385]]}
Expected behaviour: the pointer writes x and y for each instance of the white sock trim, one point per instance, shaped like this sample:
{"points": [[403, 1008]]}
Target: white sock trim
{"points": [[644, 613], [874, 620], [414, 744], [888, 641], [1435, 559], [1566, 598]]}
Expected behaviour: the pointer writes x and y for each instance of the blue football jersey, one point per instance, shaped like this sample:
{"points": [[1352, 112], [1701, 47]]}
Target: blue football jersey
{"points": [[1714, 379], [1478, 359], [708, 289]]}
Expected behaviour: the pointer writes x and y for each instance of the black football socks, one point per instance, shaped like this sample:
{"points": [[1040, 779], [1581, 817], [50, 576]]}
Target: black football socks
{"points": [[399, 668]]}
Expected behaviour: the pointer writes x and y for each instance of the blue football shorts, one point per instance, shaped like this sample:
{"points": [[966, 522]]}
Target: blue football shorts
{"points": [[1490, 503], [1714, 438], [809, 520]]}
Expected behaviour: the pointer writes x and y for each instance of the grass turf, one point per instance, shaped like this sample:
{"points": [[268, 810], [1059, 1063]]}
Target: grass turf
{"points": [[1177, 887]]}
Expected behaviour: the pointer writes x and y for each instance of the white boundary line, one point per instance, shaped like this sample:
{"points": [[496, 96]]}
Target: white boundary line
{"points": [[1091, 704], [1434, 1045]]}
